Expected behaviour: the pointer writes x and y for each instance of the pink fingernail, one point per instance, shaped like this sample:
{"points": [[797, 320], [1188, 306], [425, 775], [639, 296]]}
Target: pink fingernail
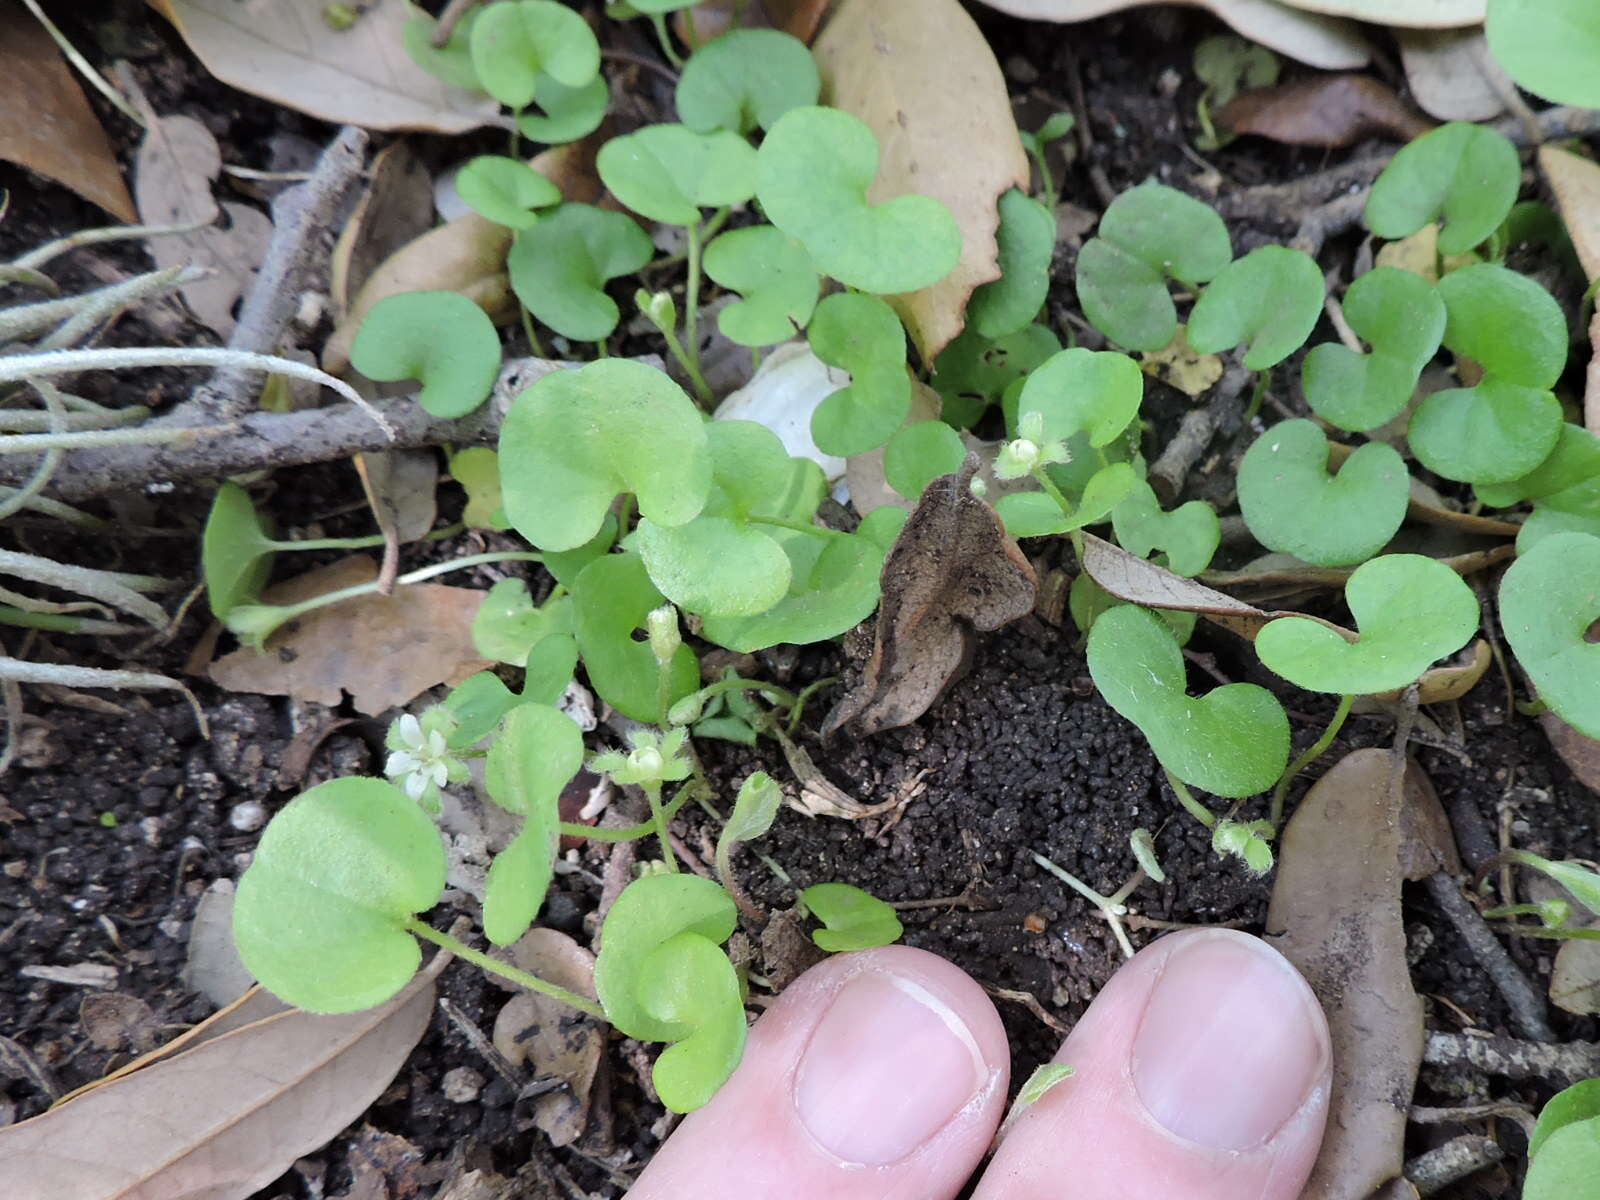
{"points": [[1232, 1043], [887, 1067]]}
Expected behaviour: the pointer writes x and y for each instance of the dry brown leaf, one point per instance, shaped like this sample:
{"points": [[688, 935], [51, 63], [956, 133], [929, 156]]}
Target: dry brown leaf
{"points": [[212, 965], [951, 573], [1181, 366], [1575, 978], [1325, 110], [1336, 902], [1438, 685], [114, 1021], [1319, 41], [402, 489], [1420, 14], [287, 52], [396, 207], [383, 650], [1449, 73], [921, 74], [552, 1040], [798, 18], [177, 163], [46, 124], [1427, 843], [1272, 575], [1418, 253], [223, 1118], [1575, 180]]}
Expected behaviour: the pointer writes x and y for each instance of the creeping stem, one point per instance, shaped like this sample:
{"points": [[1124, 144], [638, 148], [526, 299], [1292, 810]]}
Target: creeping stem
{"points": [[658, 814], [495, 967], [1309, 756]]}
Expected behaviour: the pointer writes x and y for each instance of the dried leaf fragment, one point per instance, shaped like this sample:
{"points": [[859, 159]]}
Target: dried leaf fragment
{"points": [[1451, 74], [1575, 978], [1325, 110], [953, 572], [1575, 180]]}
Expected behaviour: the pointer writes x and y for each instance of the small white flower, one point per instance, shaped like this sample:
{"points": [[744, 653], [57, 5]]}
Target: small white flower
{"points": [[419, 760]]}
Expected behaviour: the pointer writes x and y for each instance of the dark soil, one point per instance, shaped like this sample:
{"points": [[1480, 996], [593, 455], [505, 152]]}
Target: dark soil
{"points": [[115, 817]]}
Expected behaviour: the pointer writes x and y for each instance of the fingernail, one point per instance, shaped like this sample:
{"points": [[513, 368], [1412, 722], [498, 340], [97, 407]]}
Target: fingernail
{"points": [[1232, 1043], [887, 1067]]}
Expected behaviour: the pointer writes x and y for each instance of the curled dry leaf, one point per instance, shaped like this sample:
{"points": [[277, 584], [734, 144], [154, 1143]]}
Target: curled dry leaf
{"points": [[1336, 904], [1452, 75], [952, 572], [1575, 180], [287, 52], [396, 207], [46, 124], [223, 1117], [1325, 110], [176, 165], [1422, 14], [1580, 752], [383, 650], [115, 1021], [1180, 365], [921, 74], [1575, 978]]}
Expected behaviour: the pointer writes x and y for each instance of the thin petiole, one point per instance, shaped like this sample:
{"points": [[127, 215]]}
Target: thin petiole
{"points": [[658, 814], [1194, 808], [1310, 755], [630, 833], [495, 967]]}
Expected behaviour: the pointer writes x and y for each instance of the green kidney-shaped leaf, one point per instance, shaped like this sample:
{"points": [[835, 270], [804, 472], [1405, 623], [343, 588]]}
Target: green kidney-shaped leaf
{"points": [[669, 172], [1411, 611], [508, 623], [1507, 323], [1031, 514], [1548, 600], [1026, 240], [752, 475], [514, 42], [1270, 298], [1465, 175], [1567, 1165], [1092, 391], [569, 113], [1491, 433], [650, 912], [1568, 480], [479, 702], [689, 982], [714, 566], [853, 919], [745, 79], [441, 339], [1402, 316], [1190, 533], [862, 335], [612, 599], [833, 587], [1233, 742], [321, 912], [559, 268], [1580, 1102], [574, 440], [1036, 514], [506, 191], [773, 274], [1544, 522], [235, 551], [1291, 503], [812, 176], [1550, 48], [477, 470], [451, 62], [919, 454]]}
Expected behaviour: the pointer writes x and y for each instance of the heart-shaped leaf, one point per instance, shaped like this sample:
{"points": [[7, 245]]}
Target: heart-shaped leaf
{"points": [[1549, 47], [534, 756], [1292, 504], [574, 440], [753, 476], [973, 372], [1505, 322], [862, 335], [1580, 1102], [441, 339], [745, 79], [1465, 175], [513, 43], [919, 454], [508, 623], [569, 113], [773, 273], [1402, 316], [853, 919], [1568, 480], [451, 62], [479, 702], [833, 587], [1549, 600], [1036, 514], [1148, 235], [1083, 391], [1411, 611], [505, 190], [559, 268], [714, 566], [1026, 240], [814, 169], [649, 913], [1271, 298], [477, 470], [1487, 434], [1190, 533], [1544, 522], [321, 913], [235, 551], [611, 601], [1233, 741], [566, 565], [688, 982], [669, 172]]}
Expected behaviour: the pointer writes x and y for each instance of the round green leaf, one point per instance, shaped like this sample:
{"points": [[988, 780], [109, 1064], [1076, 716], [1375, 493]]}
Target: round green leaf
{"points": [[882, 526], [1411, 611], [1190, 533], [1402, 316], [1549, 47], [451, 62], [920, 453], [441, 339], [1567, 1165], [854, 919], [1292, 504], [1569, 479], [973, 372], [745, 79], [574, 440], [1086, 600], [569, 113], [1544, 522], [1031, 514], [862, 335], [611, 601], [508, 623], [649, 913], [1491, 433], [505, 190], [1580, 1102], [669, 172], [479, 702], [688, 982], [714, 566], [833, 587], [1092, 391], [321, 912], [1026, 240], [752, 475], [1465, 175], [477, 470], [235, 551], [773, 273], [559, 268], [516, 41], [1271, 298], [812, 176], [1548, 600], [1233, 742], [1507, 323]]}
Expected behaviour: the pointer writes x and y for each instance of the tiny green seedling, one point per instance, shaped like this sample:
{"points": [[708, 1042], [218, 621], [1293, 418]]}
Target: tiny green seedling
{"points": [[1225, 64], [560, 266], [506, 191], [1549, 601], [509, 624], [1037, 142], [1464, 175], [441, 339], [1291, 503], [1271, 299], [746, 79], [774, 277], [514, 42], [1189, 534], [451, 62], [1026, 240], [1564, 1151], [862, 335], [852, 919], [669, 172]]}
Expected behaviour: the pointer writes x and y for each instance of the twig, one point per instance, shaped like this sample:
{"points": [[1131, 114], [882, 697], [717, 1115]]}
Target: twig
{"points": [[66, 675], [93, 237], [1030, 1002], [449, 19], [486, 1049], [1466, 1155], [1522, 998], [1423, 1114], [1195, 431], [96, 80], [1512, 1057]]}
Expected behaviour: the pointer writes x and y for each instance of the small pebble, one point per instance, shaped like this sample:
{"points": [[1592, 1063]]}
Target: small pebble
{"points": [[462, 1085], [248, 816]]}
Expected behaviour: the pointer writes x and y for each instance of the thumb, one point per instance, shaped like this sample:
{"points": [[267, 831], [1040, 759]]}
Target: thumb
{"points": [[1202, 1070]]}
